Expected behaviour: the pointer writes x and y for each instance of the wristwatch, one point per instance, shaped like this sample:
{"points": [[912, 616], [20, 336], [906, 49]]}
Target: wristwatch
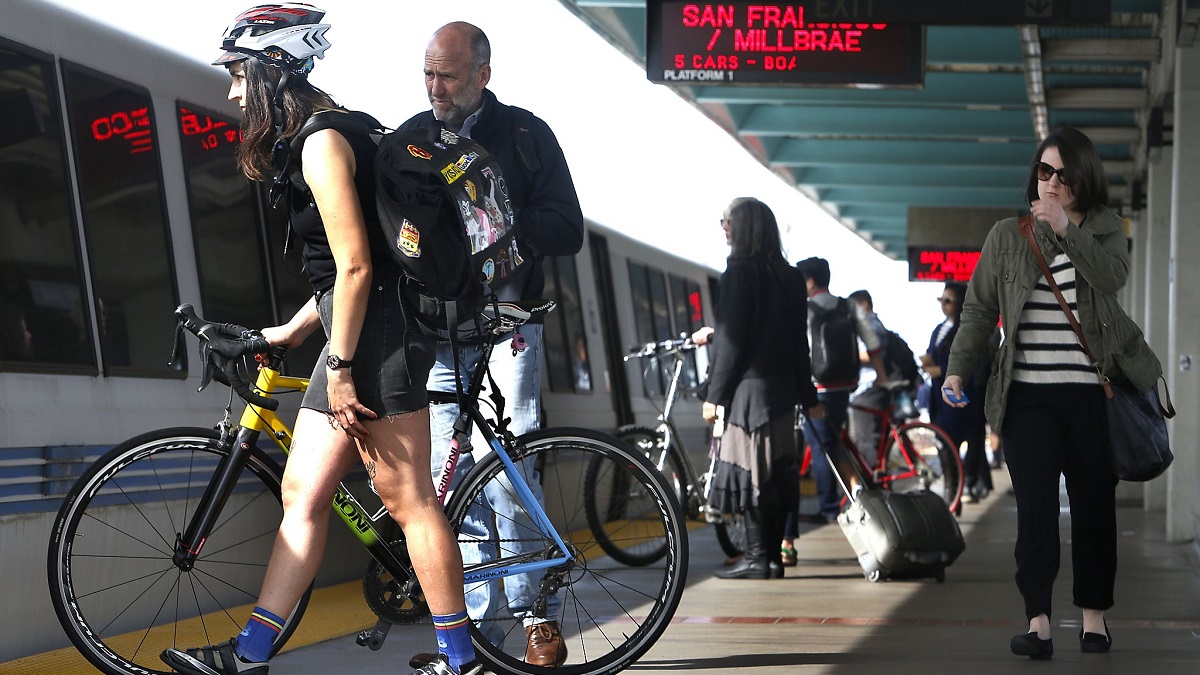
{"points": [[335, 362]]}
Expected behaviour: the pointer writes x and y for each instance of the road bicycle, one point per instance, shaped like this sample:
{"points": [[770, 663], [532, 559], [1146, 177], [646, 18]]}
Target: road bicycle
{"points": [[910, 455], [163, 541], [616, 522]]}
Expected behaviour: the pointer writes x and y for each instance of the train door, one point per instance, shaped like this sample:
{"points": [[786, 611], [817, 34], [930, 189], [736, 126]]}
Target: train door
{"points": [[610, 329]]}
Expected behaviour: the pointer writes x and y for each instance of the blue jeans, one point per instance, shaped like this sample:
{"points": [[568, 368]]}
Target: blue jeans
{"points": [[519, 379], [829, 495]]}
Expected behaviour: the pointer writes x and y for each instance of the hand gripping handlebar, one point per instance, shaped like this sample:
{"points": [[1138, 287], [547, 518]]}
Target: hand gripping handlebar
{"points": [[223, 349], [660, 348]]}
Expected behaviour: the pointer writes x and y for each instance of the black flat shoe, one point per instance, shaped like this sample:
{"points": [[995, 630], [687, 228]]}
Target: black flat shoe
{"points": [[1029, 644], [1095, 643]]}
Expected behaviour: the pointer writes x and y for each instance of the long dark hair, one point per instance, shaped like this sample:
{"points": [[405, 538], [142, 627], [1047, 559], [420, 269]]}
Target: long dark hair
{"points": [[754, 233], [960, 295], [300, 100], [1083, 164]]}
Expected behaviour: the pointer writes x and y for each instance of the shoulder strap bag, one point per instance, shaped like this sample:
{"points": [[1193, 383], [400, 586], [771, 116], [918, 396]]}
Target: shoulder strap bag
{"points": [[1137, 427]]}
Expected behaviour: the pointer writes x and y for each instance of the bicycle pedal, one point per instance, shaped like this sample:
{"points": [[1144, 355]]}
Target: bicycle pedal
{"points": [[713, 516], [374, 638]]}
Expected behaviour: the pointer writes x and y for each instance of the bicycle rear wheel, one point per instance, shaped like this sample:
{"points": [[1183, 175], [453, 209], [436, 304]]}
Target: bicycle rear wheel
{"points": [[928, 459], [616, 506], [609, 613], [118, 593]]}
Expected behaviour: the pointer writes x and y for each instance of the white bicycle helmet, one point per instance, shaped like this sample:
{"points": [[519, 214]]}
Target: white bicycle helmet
{"points": [[286, 35]]}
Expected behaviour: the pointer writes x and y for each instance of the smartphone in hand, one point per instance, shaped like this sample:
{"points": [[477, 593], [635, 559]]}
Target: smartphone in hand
{"points": [[961, 398]]}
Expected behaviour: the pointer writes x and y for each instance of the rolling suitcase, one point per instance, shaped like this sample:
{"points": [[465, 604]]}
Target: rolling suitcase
{"points": [[898, 535]]}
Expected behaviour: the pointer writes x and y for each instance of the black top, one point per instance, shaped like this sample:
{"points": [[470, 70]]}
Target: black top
{"points": [[760, 365], [548, 217], [306, 220]]}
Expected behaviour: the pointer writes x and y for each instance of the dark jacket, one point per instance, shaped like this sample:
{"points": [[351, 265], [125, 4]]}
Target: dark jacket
{"points": [[760, 365], [548, 217], [1005, 276]]}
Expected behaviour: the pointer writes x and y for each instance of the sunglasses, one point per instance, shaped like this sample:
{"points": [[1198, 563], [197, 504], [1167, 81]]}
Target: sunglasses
{"points": [[1045, 171], [946, 301]]}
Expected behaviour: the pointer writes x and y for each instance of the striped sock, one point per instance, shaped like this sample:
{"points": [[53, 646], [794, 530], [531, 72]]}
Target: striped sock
{"points": [[255, 641], [454, 638]]}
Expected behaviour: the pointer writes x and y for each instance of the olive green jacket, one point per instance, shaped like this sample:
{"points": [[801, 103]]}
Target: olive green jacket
{"points": [[1005, 276]]}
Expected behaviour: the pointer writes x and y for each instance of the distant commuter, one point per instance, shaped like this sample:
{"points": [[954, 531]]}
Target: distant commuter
{"points": [[366, 403], [549, 222], [1046, 398], [835, 325], [759, 372], [964, 424]]}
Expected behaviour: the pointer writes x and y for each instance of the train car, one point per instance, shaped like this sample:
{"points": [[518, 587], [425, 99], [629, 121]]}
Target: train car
{"points": [[119, 200]]}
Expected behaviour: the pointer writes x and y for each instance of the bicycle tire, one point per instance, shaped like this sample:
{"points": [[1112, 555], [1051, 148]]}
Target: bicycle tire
{"points": [[611, 613], [646, 440], [940, 471], [114, 586], [615, 523]]}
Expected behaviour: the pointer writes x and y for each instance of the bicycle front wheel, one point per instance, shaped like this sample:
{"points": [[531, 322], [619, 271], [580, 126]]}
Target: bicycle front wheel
{"points": [[609, 614], [114, 584], [921, 456]]}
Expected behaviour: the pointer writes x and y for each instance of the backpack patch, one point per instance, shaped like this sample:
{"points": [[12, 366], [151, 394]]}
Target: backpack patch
{"points": [[834, 343]]}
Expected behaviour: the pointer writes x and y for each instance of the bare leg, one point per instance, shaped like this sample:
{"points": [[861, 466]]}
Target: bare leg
{"points": [[1040, 624], [1093, 621], [320, 456], [396, 454]]}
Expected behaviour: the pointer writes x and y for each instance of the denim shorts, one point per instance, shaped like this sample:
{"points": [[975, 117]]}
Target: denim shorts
{"points": [[392, 359]]}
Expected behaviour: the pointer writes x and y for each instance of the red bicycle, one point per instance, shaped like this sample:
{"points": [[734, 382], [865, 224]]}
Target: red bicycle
{"points": [[910, 455]]}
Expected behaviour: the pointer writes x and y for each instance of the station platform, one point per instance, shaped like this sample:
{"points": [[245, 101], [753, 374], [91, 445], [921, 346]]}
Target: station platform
{"points": [[824, 617]]}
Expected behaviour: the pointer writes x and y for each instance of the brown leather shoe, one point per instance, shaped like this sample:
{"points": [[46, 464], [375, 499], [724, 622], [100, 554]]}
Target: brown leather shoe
{"points": [[545, 645]]}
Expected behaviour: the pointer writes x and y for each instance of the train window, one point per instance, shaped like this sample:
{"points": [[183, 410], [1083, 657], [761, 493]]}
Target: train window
{"points": [[225, 227], [564, 337], [124, 218], [42, 322], [688, 312], [652, 320]]}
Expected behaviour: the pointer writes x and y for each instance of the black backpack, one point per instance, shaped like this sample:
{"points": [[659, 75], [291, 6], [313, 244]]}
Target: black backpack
{"points": [[834, 343], [444, 209], [900, 362]]}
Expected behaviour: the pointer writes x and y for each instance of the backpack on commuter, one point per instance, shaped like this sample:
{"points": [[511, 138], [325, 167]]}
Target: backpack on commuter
{"points": [[900, 362], [834, 343], [444, 208]]}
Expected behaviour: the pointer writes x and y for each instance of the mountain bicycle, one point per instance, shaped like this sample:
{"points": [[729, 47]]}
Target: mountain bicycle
{"points": [[910, 455], [616, 522], [163, 541]]}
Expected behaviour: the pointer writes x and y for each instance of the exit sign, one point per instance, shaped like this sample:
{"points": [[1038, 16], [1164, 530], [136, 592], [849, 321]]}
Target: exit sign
{"points": [[962, 12]]}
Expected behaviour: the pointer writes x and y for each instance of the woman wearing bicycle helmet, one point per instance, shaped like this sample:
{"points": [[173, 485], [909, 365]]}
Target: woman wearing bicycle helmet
{"points": [[366, 401]]}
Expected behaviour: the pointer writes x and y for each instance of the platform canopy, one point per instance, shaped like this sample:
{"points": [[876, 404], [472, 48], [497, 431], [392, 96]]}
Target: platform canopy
{"points": [[997, 75]]}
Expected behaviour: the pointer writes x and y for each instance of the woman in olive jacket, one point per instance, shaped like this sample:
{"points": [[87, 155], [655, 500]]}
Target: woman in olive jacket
{"points": [[1044, 395]]}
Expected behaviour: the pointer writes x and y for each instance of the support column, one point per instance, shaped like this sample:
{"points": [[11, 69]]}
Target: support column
{"points": [[1156, 249], [1183, 352]]}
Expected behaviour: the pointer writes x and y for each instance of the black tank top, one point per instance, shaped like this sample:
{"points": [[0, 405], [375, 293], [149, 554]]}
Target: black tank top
{"points": [[308, 226]]}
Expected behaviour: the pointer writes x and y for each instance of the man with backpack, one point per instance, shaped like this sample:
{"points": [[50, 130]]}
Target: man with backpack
{"points": [[835, 325], [549, 221], [901, 366]]}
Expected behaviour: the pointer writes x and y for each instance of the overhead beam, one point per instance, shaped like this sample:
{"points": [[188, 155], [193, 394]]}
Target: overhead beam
{"points": [[941, 90], [814, 152], [874, 120], [1098, 98], [1116, 49]]}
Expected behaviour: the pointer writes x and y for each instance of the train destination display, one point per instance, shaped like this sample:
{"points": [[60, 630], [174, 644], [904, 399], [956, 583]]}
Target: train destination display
{"points": [[776, 43]]}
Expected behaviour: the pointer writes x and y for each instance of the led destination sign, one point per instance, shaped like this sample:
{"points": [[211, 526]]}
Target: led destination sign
{"points": [[776, 43], [941, 264]]}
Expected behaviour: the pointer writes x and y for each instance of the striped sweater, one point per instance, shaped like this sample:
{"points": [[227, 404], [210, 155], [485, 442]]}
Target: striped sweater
{"points": [[1047, 349]]}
